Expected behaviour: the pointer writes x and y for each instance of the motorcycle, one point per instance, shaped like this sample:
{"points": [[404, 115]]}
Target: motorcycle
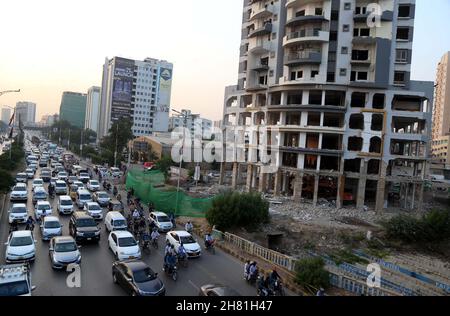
{"points": [[183, 260], [145, 243], [252, 278], [155, 243], [171, 271], [277, 289], [211, 247]]}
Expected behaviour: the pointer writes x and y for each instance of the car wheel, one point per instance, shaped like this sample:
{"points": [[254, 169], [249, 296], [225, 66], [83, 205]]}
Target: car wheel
{"points": [[114, 278], [134, 294]]}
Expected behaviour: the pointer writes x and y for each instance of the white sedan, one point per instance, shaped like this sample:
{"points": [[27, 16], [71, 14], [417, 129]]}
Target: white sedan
{"points": [[124, 246], [20, 247], [93, 185], [94, 210], [176, 238], [37, 183]]}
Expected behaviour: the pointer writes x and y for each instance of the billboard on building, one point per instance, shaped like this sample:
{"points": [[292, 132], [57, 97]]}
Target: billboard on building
{"points": [[122, 88], [161, 121]]}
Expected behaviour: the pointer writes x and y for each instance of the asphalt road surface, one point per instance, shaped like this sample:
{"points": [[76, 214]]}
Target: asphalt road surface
{"points": [[96, 279]]}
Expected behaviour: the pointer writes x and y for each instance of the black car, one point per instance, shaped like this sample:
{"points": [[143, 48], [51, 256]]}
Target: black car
{"points": [[217, 290], [83, 227], [137, 279]]}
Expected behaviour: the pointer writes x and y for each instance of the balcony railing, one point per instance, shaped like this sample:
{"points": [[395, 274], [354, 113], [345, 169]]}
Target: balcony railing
{"points": [[303, 33], [266, 29], [304, 57]]}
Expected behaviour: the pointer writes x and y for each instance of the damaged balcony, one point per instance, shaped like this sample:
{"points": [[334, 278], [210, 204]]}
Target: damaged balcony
{"points": [[408, 149]]}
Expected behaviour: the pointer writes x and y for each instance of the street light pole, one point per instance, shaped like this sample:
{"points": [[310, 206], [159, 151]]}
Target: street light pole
{"points": [[81, 145], [115, 152]]}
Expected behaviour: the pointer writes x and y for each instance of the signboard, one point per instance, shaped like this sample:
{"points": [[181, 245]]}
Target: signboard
{"points": [[122, 88], [161, 120]]}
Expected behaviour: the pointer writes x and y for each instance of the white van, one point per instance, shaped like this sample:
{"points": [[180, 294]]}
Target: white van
{"points": [[83, 197], [115, 221]]}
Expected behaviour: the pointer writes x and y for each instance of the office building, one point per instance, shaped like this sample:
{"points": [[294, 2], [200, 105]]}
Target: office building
{"points": [[73, 108], [6, 115], [139, 90], [26, 113], [92, 109], [333, 80]]}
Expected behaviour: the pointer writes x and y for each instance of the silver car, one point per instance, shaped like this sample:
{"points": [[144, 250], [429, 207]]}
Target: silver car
{"points": [[63, 251], [50, 227]]}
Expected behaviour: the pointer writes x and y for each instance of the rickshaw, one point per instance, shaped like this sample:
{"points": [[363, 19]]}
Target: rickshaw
{"points": [[116, 206], [73, 191]]}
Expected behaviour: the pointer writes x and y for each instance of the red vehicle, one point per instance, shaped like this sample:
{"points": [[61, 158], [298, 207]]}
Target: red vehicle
{"points": [[149, 165]]}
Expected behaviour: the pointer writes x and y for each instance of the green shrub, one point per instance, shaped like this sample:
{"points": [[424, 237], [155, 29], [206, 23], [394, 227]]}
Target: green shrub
{"points": [[234, 209], [6, 181], [310, 272]]}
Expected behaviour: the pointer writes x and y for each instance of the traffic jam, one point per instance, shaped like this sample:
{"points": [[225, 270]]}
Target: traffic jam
{"points": [[66, 208]]}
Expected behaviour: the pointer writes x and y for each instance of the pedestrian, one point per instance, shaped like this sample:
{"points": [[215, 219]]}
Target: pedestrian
{"points": [[246, 269]]}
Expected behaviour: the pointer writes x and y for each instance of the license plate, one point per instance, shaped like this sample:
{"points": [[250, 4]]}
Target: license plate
{"points": [[132, 257], [89, 238]]}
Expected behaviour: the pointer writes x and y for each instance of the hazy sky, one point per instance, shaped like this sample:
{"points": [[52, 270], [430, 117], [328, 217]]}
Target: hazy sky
{"points": [[49, 46]]}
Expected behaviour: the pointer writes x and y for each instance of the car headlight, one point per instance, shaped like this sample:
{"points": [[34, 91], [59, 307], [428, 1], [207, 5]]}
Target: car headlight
{"points": [[97, 233], [80, 234]]}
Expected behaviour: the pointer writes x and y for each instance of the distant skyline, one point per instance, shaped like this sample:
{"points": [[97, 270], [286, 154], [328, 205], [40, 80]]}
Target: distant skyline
{"points": [[50, 47]]}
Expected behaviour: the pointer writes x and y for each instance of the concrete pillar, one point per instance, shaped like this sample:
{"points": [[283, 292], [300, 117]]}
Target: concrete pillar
{"points": [[298, 187], [316, 190], [254, 177], [420, 197], [406, 195], [222, 173], [248, 186], [413, 197], [234, 179], [270, 182], [340, 191], [360, 200], [381, 188], [277, 185], [262, 182]]}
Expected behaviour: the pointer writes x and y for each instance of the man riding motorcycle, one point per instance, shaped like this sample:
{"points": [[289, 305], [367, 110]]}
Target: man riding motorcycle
{"points": [[189, 227], [209, 240], [30, 223]]}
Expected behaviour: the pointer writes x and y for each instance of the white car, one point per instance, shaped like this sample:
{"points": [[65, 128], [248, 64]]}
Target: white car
{"points": [[21, 177], [63, 251], [161, 220], [84, 177], [37, 183], [63, 176], [79, 184], [175, 238], [65, 205], [94, 210], [60, 187], [20, 247], [115, 221], [50, 227], [41, 208], [30, 173], [115, 172], [93, 185], [124, 246], [102, 198], [83, 197], [18, 213], [19, 192]]}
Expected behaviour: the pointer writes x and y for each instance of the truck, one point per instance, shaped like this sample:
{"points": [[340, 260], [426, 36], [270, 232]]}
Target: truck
{"points": [[15, 280]]}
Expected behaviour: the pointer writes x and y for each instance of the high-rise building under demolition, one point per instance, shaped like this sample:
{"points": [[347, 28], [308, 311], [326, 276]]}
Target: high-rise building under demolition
{"points": [[333, 76]]}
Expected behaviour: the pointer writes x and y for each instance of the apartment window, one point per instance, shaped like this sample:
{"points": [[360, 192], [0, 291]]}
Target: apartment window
{"points": [[361, 32], [331, 77], [343, 72], [333, 36], [401, 56], [360, 10], [399, 77], [318, 11], [296, 75], [358, 76], [403, 33], [347, 6], [314, 73], [300, 13], [360, 54], [346, 28], [404, 11], [344, 50]]}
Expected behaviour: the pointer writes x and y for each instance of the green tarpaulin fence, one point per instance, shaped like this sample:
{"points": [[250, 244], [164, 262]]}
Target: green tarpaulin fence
{"points": [[146, 187]]}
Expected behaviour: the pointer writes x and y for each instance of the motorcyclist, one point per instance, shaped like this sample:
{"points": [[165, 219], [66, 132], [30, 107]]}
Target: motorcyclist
{"points": [[320, 292], [273, 278], [51, 190], [30, 223], [170, 262], [115, 191], [253, 271], [182, 254], [155, 235], [136, 214], [14, 227], [263, 285], [209, 240], [189, 227], [246, 269]]}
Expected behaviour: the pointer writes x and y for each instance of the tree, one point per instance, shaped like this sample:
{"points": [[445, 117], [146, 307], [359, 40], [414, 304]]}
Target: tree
{"points": [[234, 209], [164, 165], [6, 181], [310, 272], [121, 132]]}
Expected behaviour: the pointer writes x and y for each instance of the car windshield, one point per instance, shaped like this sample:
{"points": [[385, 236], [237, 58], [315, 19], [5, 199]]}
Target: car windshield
{"points": [[103, 195], [21, 241], [45, 173], [84, 175], [144, 275], [66, 247], [40, 194], [52, 224], [39, 182], [120, 223], [86, 222], [61, 185], [94, 183], [21, 176], [20, 189], [63, 174], [44, 207], [94, 207], [14, 288], [163, 219], [66, 202], [85, 197], [19, 210], [187, 240], [127, 242]]}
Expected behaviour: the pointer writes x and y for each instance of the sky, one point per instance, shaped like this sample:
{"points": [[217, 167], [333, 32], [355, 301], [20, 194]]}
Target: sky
{"points": [[50, 46]]}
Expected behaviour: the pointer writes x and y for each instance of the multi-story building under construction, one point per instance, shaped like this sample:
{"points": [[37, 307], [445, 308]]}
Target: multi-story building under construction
{"points": [[333, 76]]}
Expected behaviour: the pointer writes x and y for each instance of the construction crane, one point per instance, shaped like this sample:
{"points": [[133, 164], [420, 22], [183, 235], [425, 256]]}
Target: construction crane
{"points": [[8, 91]]}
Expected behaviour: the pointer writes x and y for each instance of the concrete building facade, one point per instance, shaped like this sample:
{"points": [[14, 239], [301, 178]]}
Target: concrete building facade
{"points": [[26, 112], [193, 121], [6, 115], [441, 113], [73, 108], [92, 109], [140, 90], [334, 80]]}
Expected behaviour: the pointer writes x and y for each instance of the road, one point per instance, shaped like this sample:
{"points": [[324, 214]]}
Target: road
{"points": [[97, 261]]}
